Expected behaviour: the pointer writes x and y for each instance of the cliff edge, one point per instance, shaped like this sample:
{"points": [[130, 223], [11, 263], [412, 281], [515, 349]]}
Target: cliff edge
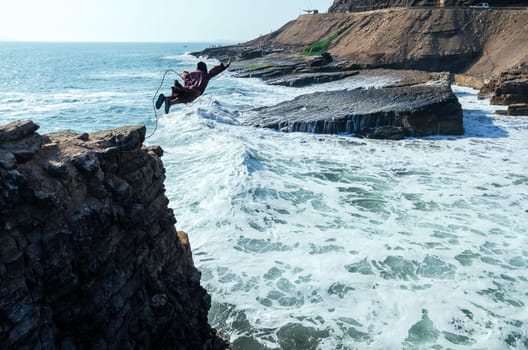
{"points": [[89, 255]]}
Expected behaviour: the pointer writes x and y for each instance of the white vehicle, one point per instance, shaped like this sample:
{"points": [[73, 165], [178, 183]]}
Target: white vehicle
{"points": [[483, 5]]}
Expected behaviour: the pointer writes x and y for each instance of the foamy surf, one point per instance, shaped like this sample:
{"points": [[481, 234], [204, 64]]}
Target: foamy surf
{"points": [[317, 241], [340, 243]]}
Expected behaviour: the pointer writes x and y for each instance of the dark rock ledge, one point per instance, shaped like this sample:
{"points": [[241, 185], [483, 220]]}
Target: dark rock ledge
{"points": [[89, 255], [510, 88], [421, 109]]}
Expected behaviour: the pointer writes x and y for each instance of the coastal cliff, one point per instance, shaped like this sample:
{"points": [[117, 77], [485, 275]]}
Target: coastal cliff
{"points": [[89, 254], [478, 42]]}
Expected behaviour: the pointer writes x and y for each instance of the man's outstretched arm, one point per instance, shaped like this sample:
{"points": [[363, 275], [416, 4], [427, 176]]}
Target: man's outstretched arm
{"points": [[219, 69]]}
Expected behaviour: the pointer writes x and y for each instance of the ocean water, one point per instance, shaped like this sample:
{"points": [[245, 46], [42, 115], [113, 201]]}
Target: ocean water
{"points": [[311, 241]]}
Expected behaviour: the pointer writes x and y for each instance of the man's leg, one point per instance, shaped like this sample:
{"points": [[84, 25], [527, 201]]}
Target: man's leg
{"points": [[177, 88], [167, 104], [169, 101]]}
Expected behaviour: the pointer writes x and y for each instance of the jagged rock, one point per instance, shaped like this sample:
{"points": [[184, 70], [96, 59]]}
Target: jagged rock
{"points": [[322, 60], [89, 255], [251, 53], [124, 138], [7, 160], [17, 130], [509, 87], [303, 79], [468, 80], [421, 110], [20, 140], [157, 150], [383, 132], [515, 109]]}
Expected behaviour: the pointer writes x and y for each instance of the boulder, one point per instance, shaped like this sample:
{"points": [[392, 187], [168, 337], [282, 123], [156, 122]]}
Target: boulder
{"points": [[18, 142], [509, 87], [17, 130], [515, 109], [422, 109]]}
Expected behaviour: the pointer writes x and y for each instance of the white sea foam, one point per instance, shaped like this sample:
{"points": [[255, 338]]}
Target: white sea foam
{"points": [[355, 240]]}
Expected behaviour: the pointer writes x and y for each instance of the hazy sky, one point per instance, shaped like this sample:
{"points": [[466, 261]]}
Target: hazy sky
{"points": [[147, 20]]}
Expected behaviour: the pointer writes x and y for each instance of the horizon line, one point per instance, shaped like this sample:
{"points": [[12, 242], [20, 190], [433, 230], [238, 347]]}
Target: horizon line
{"points": [[117, 42]]}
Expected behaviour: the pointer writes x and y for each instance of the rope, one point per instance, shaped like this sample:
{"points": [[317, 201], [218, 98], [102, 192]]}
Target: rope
{"points": [[154, 99]]}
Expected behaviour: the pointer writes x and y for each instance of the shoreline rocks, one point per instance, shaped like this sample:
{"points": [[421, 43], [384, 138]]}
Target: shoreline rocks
{"points": [[510, 88], [89, 255], [390, 113]]}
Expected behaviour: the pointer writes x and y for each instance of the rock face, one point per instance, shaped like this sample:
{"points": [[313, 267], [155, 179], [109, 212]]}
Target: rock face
{"points": [[460, 40], [509, 88], [289, 70], [89, 255], [515, 109], [389, 113]]}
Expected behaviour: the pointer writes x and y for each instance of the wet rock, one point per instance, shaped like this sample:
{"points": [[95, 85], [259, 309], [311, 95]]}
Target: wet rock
{"points": [[86, 164], [322, 60], [508, 88], [88, 247], [383, 132], [250, 53], [418, 110], [279, 67], [17, 130], [55, 169], [7, 160], [124, 138], [157, 150], [515, 109], [303, 79], [20, 140]]}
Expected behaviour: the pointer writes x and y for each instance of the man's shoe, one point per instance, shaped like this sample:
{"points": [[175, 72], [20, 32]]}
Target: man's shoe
{"points": [[160, 100], [167, 106]]}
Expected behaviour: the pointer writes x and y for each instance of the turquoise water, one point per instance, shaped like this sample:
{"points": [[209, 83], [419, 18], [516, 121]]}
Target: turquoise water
{"points": [[312, 241], [84, 86]]}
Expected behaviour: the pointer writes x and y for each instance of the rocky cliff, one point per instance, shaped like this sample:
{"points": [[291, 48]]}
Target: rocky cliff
{"points": [[509, 88], [89, 255], [481, 43]]}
